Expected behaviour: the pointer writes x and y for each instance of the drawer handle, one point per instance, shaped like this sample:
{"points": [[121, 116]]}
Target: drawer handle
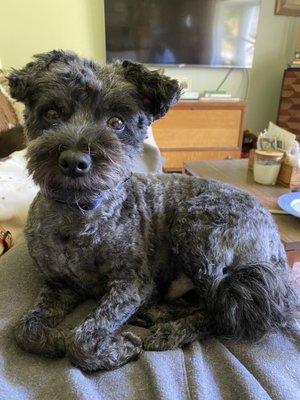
{"points": [[228, 158]]}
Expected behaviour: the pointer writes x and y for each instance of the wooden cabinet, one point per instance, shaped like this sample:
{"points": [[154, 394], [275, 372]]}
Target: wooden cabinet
{"points": [[289, 107], [200, 130]]}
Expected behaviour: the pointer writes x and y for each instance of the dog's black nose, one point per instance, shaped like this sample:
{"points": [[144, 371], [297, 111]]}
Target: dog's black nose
{"points": [[74, 163]]}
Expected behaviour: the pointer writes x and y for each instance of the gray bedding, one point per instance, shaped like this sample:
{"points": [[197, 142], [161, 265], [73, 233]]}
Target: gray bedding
{"points": [[207, 370], [210, 370]]}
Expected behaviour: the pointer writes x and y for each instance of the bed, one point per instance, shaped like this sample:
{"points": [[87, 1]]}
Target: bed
{"points": [[209, 370]]}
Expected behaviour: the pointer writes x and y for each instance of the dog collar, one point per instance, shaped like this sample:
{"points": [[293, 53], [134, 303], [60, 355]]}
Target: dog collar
{"points": [[91, 205], [83, 206]]}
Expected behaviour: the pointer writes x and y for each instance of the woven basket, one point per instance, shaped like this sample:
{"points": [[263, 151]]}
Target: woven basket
{"points": [[8, 115]]}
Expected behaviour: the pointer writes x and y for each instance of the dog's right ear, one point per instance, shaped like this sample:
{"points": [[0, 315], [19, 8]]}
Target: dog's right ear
{"points": [[19, 83], [157, 92]]}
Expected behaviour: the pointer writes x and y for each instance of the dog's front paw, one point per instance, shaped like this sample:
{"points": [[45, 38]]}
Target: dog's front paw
{"points": [[108, 352], [34, 336]]}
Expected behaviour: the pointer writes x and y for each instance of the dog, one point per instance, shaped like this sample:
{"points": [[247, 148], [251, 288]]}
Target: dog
{"points": [[95, 230]]}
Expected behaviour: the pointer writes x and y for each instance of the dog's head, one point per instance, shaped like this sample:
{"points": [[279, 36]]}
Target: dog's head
{"points": [[86, 123]]}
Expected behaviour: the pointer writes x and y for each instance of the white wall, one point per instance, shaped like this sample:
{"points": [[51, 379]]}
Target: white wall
{"points": [[32, 26], [29, 27]]}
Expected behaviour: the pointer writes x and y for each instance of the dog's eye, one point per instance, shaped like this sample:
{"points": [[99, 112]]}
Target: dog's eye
{"points": [[115, 123], [51, 114]]}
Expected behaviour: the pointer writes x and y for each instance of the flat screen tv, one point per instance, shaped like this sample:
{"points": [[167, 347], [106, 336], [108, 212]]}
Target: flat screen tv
{"points": [[215, 33]]}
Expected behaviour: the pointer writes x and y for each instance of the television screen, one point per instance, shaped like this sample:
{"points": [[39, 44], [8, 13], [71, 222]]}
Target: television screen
{"points": [[217, 33]]}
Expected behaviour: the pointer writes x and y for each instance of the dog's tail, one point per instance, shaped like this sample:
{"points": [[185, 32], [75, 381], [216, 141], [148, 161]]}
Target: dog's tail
{"points": [[247, 302]]}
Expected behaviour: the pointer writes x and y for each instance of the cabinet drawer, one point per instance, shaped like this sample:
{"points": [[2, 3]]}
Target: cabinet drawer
{"points": [[198, 129], [173, 160]]}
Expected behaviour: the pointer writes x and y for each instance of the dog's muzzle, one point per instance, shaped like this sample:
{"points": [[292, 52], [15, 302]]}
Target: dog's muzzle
{"points": [[74, 163]]}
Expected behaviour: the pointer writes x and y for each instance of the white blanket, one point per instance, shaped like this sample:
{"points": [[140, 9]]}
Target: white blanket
{"points": [[17, 191]]}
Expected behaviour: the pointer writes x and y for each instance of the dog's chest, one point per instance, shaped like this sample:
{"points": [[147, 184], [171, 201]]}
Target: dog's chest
{"points": [[75, 251]]}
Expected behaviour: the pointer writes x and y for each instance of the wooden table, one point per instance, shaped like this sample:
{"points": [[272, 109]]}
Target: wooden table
{"points": [[236, 173]]}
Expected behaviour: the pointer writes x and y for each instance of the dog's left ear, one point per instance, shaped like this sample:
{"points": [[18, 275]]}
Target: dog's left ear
{"points": [[19, 83], [158, 92]]}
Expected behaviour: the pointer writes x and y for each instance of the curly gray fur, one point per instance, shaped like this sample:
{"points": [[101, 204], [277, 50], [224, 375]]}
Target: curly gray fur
{"points": [[147, 231]]}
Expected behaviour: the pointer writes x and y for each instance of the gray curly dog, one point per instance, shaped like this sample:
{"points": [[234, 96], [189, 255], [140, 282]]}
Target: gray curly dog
{"points": [[97, 230]]}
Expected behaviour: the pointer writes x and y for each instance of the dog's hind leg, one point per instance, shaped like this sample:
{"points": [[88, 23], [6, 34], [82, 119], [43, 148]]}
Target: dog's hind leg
{"points": [[163, 312], [228, 244], [35, 332], [174, 334], [244, 303]]}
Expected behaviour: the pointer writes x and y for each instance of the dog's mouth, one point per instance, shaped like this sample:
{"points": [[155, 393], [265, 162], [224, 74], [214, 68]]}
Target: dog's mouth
{"points": [[74, 170], [59, 185], [76, 187]]}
